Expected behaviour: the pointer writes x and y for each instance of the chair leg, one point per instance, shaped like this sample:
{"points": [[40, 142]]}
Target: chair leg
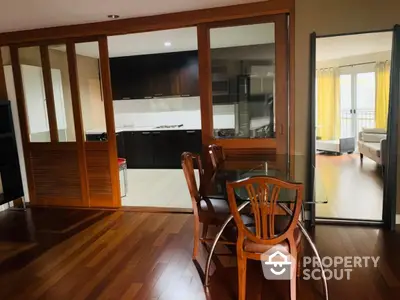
{"points": [[299, 257], [205, 230], [293, 279], [361, 157], [196, 238], [293, 287], [242, 268]]}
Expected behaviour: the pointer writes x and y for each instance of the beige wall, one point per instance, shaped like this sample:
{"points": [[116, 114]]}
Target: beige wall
{"points": [[89, 85], [330, 17]]}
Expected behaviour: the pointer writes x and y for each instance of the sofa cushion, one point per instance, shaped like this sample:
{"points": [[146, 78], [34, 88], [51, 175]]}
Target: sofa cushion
{"points": [[374, 130], [373, 137], [373, 148]]}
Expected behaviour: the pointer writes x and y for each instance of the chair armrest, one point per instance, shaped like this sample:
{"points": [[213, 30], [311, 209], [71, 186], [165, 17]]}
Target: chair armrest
{"points": [[360, 136], [383, 151]]}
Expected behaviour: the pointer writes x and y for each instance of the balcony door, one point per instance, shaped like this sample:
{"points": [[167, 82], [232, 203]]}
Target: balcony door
{"points": [[357, 99]]}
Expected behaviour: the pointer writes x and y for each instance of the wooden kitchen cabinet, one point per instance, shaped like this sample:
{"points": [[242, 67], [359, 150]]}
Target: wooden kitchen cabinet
{"points": [[155, 75]]}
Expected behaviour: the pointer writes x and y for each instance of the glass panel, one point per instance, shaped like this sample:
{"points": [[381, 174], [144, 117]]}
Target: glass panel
{"points": [[93, 115], [243, 81], [35, 99], [62, 93], [346, 116], [365, 104]]}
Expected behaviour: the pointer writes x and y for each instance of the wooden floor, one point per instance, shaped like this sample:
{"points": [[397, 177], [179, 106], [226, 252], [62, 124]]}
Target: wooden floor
{"points": [[354, 190], [89, 254]]}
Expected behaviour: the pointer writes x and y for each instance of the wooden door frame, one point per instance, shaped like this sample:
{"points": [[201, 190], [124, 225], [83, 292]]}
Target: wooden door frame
{"points": [[148, 23], [284, 140], [390, 190]]}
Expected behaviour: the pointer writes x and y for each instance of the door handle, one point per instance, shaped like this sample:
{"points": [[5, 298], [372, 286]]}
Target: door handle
{"points": [[156, 132], [145, 133], [190, 131]]}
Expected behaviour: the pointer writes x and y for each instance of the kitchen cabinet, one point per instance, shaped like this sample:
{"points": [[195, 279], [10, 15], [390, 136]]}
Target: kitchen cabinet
{"points": [[155, 75], [139, 149], [189, 75], [159, 149], [120, 145], [192, 141]]}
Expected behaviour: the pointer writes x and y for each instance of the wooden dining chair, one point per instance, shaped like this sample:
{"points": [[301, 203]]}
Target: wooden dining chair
{"points": [[272, 225], [217, 155], [207, 211]]}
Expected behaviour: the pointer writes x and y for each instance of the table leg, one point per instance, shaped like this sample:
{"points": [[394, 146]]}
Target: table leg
{"points": [[217, 237], [314, 248]]}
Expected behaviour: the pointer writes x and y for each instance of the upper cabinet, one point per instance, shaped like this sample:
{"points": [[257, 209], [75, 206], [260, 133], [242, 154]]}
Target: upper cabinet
{"points": [[155, 75]]}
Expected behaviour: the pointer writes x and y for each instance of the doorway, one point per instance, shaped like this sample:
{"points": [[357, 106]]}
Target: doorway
{"points": [[350, 110]]}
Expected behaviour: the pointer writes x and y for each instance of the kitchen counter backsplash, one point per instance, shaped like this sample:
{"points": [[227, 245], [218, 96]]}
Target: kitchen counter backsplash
{"points": [[147, 114]]}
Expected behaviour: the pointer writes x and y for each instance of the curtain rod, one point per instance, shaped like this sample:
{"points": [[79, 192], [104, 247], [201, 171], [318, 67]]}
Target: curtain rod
{"points": [[359, 64]]}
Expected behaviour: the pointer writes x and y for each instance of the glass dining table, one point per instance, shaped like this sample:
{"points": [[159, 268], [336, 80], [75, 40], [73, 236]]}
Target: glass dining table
{"points": [[214, 185]]}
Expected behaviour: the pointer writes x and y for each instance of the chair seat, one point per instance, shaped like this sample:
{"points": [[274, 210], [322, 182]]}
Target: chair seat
{"points": [[214, 206], [281, 224]]}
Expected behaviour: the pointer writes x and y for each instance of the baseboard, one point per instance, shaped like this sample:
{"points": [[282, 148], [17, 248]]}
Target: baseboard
{"points": [[397, 219]]}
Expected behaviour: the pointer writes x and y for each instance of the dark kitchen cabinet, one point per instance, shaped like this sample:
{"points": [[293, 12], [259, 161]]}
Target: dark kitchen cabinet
{"points": [[189, 75], [160, 149], [167, 149], [155, 75], [139, 149], [192, 141], [120, 145]]}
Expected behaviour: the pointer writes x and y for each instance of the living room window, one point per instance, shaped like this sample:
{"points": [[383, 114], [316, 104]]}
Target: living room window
{"points": [[357, 99]]}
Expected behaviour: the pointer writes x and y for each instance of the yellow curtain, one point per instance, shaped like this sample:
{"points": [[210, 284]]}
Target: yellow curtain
{"points": [[382, 73], [328, 104]]}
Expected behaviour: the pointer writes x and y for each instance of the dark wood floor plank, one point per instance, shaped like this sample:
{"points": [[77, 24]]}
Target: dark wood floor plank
{"points": [[132, 255]]}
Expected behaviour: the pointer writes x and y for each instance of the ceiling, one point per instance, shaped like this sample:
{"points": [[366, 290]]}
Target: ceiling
{"points": [[352, 45], [22, 14], [183, 39]]}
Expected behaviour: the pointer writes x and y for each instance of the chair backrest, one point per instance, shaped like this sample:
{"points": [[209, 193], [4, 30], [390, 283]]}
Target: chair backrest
{"points": [[187, 160], [217, 155], [267, 195]]}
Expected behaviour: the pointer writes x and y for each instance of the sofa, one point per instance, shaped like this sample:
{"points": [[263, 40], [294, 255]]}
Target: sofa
{"points": [[372, 143], [342, 145]]}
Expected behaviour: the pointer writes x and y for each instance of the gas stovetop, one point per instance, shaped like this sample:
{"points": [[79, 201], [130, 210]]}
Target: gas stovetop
{"points": [[170, 126]]}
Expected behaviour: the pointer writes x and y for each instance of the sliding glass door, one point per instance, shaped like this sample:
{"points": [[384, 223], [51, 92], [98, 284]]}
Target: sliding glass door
{"points": [[357, 99]]}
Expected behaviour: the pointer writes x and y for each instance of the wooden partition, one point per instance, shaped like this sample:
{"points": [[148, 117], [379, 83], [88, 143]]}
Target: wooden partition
{"points": [[74, 173], [94, 165], [275, 150], [55, 173]]}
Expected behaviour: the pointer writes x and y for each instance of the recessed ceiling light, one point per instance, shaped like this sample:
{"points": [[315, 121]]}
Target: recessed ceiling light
{"points": [[113, 16], [167, 44]]}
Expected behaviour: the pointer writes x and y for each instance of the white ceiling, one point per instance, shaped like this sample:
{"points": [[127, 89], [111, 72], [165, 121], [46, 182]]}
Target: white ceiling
{"points": [[29, 14], [352, 45], [183, 39]]}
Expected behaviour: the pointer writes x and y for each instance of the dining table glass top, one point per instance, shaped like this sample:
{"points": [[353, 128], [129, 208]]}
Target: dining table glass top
{"points": [[215, 182]]}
